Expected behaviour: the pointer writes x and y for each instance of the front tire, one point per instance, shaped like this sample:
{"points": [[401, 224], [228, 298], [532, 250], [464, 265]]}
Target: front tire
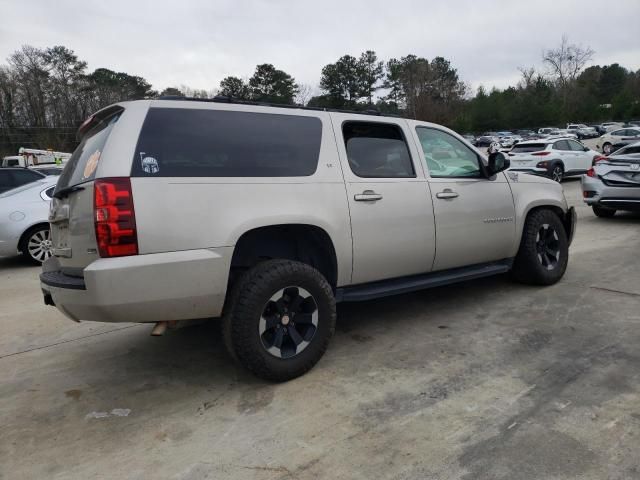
{"points": [[280, 319], [606, 148], [603, 212], [544, 250]]}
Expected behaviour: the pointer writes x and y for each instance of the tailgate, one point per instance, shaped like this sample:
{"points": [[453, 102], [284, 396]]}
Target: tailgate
{"points": [[72, 230], [71, 215]]}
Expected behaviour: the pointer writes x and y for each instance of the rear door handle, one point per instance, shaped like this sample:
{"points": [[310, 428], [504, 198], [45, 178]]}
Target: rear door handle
{"points": [[367, 196], [447, 193]]}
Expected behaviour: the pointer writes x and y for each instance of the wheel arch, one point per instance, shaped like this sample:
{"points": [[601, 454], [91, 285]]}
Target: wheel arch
{"points": [[306, 243]]}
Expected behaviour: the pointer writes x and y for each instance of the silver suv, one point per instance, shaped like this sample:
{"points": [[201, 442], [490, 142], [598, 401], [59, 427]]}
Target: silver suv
{"points": [[268, 216]]}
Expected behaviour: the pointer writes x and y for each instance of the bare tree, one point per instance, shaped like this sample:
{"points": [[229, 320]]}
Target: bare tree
{"points": [[565, 63], [528, 77], [304, 94]]}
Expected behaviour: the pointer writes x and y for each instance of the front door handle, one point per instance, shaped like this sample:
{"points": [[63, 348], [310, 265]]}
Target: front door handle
{"points": [[367, 196], [447, 193]]}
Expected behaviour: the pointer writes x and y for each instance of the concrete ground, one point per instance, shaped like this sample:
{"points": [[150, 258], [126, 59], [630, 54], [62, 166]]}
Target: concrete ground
{"points": [[484, 380]]}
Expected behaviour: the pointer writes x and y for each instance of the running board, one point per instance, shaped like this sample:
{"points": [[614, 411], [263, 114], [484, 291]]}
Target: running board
{"points": [[395, 286]]}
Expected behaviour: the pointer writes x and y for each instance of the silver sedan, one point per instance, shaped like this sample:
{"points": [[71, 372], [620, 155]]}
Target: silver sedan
{"points": [[613, 183], [24, 220]]}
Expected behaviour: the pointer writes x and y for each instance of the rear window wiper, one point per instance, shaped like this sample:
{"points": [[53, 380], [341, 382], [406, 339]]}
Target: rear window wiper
{"points": [[63, 192]]}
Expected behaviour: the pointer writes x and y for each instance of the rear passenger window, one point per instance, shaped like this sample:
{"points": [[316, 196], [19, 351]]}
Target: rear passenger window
{"points": [[377, 150], [181, 142], [561, 145]]}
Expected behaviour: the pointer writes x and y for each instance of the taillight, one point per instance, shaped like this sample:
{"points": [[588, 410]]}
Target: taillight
{"points": [[591, 173], [540, 154], [114, 217], [599, 158]]}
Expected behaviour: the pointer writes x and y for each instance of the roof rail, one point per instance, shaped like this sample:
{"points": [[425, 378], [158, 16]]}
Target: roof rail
{"points": [[238, 101]]}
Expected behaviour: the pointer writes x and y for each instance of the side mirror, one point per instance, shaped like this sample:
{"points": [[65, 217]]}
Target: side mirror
{"points": [[498, 162], [586, 149]]}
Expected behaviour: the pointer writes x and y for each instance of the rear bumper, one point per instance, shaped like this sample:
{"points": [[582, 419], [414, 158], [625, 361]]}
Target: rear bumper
{"points": [[143, 288], [620, 198]]}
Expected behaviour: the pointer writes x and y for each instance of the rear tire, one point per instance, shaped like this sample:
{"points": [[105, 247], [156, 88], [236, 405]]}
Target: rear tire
{"points": [[279, 320], [557, 173], [544, 250], [36, 244], [603, 212]]}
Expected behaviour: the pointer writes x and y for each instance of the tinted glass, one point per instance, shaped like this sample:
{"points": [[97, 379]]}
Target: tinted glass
{"points": [[22, 177], [6, 180], [446, 156], [561, 145], [49, 192], [83, 164], [214, 143], [575, 146], [377, 150], [529, 147]]}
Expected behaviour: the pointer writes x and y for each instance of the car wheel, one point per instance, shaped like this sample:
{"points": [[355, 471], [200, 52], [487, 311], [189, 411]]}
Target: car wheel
{"points": [[603, 212], [544, 250], [606, 148], [557, 173], [36, 244], [280, 319]]}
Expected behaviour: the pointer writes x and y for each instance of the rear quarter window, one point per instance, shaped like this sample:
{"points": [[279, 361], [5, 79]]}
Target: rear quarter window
{"points": [[181, 142]]}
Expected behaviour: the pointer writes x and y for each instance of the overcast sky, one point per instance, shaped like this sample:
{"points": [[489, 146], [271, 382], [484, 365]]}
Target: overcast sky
{"points": [[199, 42]]}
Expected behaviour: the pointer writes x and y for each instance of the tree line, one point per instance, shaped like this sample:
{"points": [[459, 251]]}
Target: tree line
{"points": [[52, 87]]}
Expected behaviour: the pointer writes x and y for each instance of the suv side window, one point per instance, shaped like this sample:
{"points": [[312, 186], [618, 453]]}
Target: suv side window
{"points": [[189, 142], [446, 156], [377, 150], [562, 145]]}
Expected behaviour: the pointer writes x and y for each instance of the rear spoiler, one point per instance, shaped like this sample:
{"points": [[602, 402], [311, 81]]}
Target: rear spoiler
{"points": [[96, 119]]}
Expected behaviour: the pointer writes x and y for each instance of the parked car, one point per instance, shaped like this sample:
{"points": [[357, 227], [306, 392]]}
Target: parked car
{"points": [[469, 138], [509, 141], [582, 131], [610, 126], [562, 133], [268, 216], [485, 140], [24, 220], [552, 158], [12, 177], [606, 141], [599, 129], [613, 183], [547, 130]]}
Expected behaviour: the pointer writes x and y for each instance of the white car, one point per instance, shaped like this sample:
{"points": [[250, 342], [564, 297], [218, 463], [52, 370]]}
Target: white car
{"points": [[24, 220], [606, 141], [610, 126], [552, 158]]}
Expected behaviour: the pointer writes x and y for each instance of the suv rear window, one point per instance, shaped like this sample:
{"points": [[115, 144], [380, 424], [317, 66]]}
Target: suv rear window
{"points": [[181, 142], [83, 164], [529, 147]]}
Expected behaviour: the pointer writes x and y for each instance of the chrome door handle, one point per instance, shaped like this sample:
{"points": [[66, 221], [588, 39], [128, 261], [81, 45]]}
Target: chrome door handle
{"points": [[447, 193], [367, 196]]}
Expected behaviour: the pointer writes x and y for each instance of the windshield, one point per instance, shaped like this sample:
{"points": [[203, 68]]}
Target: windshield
{"points": [[83, 164]]}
